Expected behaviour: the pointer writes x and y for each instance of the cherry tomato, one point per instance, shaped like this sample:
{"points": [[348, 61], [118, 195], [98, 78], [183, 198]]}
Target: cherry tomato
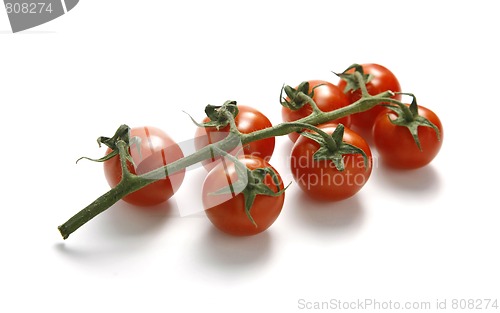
{"points": [[396, 145], [382, 80], [248, 120], [320, 179], [156, 150], [227, 212], [327, 97]]}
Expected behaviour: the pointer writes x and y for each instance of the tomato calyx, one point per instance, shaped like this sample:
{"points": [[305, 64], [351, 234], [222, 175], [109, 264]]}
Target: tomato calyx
{"points": [[334, 148], [298, 97], [407, 116], [218, 115], [352, 79], [121, 134], [251, 183]]}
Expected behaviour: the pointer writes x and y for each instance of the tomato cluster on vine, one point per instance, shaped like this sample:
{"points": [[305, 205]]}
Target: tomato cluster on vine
{"points": [[330, 159]]}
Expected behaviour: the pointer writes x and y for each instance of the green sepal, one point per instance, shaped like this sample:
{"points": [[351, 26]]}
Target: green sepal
{"points": [[121, 134], [193, 120], [241, 183], [259, 175], [217, 116], [412, 120], [251, 184], [295, 101], [335, 152], [103, 159], [249, 200], [352, 84], [414, 106]]}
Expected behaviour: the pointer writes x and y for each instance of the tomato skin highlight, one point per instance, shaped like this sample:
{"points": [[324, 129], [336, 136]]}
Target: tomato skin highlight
{"points": [[396, 146], [383, 80], [248, 120], [320, 179], [156, 150], [227, 212], [327, 97]]}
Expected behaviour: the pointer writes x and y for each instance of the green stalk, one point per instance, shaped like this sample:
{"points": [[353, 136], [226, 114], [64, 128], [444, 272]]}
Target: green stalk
{"points": [[363, 104], [131, 182]]}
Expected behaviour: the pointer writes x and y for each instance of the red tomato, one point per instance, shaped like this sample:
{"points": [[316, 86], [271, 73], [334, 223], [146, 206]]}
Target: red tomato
{"points": [[382, 80], [320, 179], [248, 120], [396, 145], [227, 212], [327, 97], [156, 150]]}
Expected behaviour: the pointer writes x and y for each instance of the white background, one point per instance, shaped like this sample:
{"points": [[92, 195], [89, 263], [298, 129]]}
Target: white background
{"points": [[407, 236]]}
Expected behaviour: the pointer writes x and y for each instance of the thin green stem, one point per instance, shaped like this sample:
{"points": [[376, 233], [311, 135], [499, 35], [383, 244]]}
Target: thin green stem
{"points": [[316, 110], [97, 207], [135, 182], [330, 143], [406, 110], [282, 129], [362, 85], [123, 153]]}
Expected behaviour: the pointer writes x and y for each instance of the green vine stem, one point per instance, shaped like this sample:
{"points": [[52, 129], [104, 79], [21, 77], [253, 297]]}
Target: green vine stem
{"points": [[331, 144], [362, 87], [363, 104], [131, 182]]}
